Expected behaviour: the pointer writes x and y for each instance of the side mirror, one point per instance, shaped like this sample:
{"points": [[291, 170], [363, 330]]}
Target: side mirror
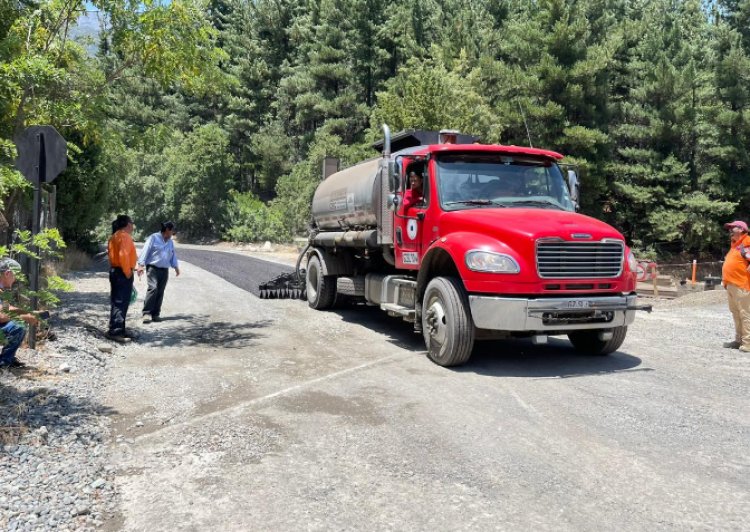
{"points": [[573, 187], [392, 177]]}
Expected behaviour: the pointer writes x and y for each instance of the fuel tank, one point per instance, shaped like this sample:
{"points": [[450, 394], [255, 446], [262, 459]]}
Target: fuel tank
{"points": [[349, 199]]}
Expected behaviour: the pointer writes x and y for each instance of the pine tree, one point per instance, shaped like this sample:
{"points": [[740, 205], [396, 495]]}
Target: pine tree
{"points": [[661, 198]]}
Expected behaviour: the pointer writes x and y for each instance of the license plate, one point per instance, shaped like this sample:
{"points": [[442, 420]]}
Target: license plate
{"points": [[577, 303]]}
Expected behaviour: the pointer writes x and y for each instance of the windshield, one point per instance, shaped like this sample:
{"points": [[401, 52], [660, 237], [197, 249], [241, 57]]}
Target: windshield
{"points": [[471, 181]]}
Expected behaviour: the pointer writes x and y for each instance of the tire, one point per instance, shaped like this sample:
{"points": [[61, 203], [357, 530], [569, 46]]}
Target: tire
{"points": [[588, 342], [446, 324], [321, 289]]}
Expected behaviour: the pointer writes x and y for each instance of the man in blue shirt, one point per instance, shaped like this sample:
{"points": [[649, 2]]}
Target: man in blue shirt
{"points": [[156, 257]]}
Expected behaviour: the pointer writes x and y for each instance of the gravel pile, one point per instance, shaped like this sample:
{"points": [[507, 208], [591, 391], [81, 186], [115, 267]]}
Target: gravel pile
{"points": [[54, 433], [698, 299]]}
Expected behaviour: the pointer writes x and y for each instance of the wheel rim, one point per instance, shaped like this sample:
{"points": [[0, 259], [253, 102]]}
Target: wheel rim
{"points": [[435, 321], [312, 280]]}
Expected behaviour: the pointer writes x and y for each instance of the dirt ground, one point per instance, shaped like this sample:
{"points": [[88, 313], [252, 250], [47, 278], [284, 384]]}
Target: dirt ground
{"points": [[237, 413]]}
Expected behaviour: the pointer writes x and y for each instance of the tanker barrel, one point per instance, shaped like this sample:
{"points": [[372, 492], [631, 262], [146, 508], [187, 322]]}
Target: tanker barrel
{"points": [[348, 198]]}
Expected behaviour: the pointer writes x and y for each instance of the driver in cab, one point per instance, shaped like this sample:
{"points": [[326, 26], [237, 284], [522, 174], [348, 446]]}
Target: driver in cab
{"points": [[415, 193]]}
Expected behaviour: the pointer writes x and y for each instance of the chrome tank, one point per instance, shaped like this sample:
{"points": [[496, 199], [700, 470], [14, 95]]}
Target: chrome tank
{"points": [[348, 199]]}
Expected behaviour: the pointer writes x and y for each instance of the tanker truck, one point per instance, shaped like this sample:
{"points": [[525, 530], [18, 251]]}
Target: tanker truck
{"points": [[493, 248]]}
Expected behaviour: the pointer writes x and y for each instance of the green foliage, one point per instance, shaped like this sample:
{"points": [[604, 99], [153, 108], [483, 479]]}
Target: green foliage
{"points": [[138, 176], [416, 99], [85, 183], [170, 41], [44, 246], [46, 77], [199, 181], [218, 113], [273, 151], [251, 220]]}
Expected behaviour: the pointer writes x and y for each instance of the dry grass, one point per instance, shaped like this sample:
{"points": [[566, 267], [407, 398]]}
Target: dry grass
{"points": [[11, 434], [13, 410], [73, 260]]}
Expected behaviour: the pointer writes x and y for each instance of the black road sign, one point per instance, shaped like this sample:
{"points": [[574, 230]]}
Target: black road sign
{"points": [[42, 153]]}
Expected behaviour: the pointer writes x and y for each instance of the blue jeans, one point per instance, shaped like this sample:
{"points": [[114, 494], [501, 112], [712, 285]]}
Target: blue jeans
{"points": [[14, 335]]}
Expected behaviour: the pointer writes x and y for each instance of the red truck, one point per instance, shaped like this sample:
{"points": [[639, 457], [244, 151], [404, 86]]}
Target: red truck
{"points": [[492, 248]]}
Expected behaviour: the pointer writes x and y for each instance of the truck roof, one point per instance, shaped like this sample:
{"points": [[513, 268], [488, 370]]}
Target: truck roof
{"points": [[410, 138], [492, 148]]}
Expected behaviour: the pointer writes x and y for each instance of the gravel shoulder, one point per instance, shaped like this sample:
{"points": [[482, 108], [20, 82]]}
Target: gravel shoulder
{"points": [[55, 466], [237, 413]]}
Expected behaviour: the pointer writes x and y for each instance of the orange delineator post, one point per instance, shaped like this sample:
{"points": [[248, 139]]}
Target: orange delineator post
{"points": [[695, 267]]}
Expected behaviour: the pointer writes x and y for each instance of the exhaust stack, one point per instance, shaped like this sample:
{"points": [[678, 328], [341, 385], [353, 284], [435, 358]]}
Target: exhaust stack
{"points": [[386, 141]]}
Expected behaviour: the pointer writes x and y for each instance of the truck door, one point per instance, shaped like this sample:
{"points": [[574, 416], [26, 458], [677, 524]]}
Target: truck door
{"points": [[408, 223]]}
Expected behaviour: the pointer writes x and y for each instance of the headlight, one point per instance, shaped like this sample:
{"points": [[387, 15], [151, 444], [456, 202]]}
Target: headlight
{"points": [[486, 261], [632, 263]]}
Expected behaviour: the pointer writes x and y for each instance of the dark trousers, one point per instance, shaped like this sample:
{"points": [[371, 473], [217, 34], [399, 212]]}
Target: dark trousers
{"points": [[120, 288], [157, 282]]}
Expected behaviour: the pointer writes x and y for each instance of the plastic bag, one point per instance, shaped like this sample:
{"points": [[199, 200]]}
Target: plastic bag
{"points": [[133, 295]]}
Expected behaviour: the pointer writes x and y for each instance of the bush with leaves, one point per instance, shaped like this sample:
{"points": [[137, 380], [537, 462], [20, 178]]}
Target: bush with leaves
{"points": [[199, 178], [416, 99], [46, 245], [250, 220]]}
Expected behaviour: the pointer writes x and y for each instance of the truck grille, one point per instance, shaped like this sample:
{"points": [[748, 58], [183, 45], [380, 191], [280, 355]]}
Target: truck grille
{"points": [[558, 259]]}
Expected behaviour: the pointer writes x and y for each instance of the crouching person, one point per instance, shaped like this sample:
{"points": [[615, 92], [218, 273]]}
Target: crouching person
{"points": [[11, 323]]}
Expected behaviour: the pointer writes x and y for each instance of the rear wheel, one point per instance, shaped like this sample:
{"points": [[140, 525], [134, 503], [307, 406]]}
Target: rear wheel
{"points": [[589, 342], [321, 289], [446, 324]]}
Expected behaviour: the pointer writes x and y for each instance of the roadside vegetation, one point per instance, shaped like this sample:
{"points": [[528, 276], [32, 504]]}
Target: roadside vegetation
{"points": [[217, 114]]}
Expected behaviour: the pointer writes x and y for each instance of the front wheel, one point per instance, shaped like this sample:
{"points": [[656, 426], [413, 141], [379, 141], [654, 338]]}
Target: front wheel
{"points": [[446, 324], [589, 342]]}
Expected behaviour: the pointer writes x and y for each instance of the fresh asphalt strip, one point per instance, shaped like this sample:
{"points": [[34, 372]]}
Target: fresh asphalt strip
{"points": [[242, 271]]}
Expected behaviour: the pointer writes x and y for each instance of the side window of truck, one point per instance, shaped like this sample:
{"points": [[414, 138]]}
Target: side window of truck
{"points": [[420, 170]]}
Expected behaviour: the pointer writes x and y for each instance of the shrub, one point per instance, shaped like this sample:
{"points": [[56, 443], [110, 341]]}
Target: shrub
{"points": [[250, 220]]}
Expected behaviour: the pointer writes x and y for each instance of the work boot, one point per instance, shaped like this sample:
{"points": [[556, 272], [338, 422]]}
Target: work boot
{"points": [[120, 339], [732, 345], [15, 363]]}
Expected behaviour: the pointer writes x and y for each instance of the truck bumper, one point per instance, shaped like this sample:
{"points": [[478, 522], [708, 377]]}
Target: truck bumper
{"points": [[551, 314]]}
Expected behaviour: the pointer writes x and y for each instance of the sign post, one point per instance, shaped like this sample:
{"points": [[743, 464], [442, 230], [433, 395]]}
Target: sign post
{"points": [[42, 156]]}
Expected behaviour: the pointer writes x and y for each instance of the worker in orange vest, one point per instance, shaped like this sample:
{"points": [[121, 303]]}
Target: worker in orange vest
{"points": [[122, 260], [735, 276]]}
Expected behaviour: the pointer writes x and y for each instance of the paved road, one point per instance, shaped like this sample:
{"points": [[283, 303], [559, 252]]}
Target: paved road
{"points": [[244, 414], [240, 270]]}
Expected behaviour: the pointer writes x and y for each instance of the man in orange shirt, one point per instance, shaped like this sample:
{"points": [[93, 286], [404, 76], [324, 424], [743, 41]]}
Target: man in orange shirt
{"points": [[122, 260], [735, 277]]}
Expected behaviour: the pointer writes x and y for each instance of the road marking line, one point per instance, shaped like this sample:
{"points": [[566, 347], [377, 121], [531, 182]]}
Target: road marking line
{"points": [[273, 395]]}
